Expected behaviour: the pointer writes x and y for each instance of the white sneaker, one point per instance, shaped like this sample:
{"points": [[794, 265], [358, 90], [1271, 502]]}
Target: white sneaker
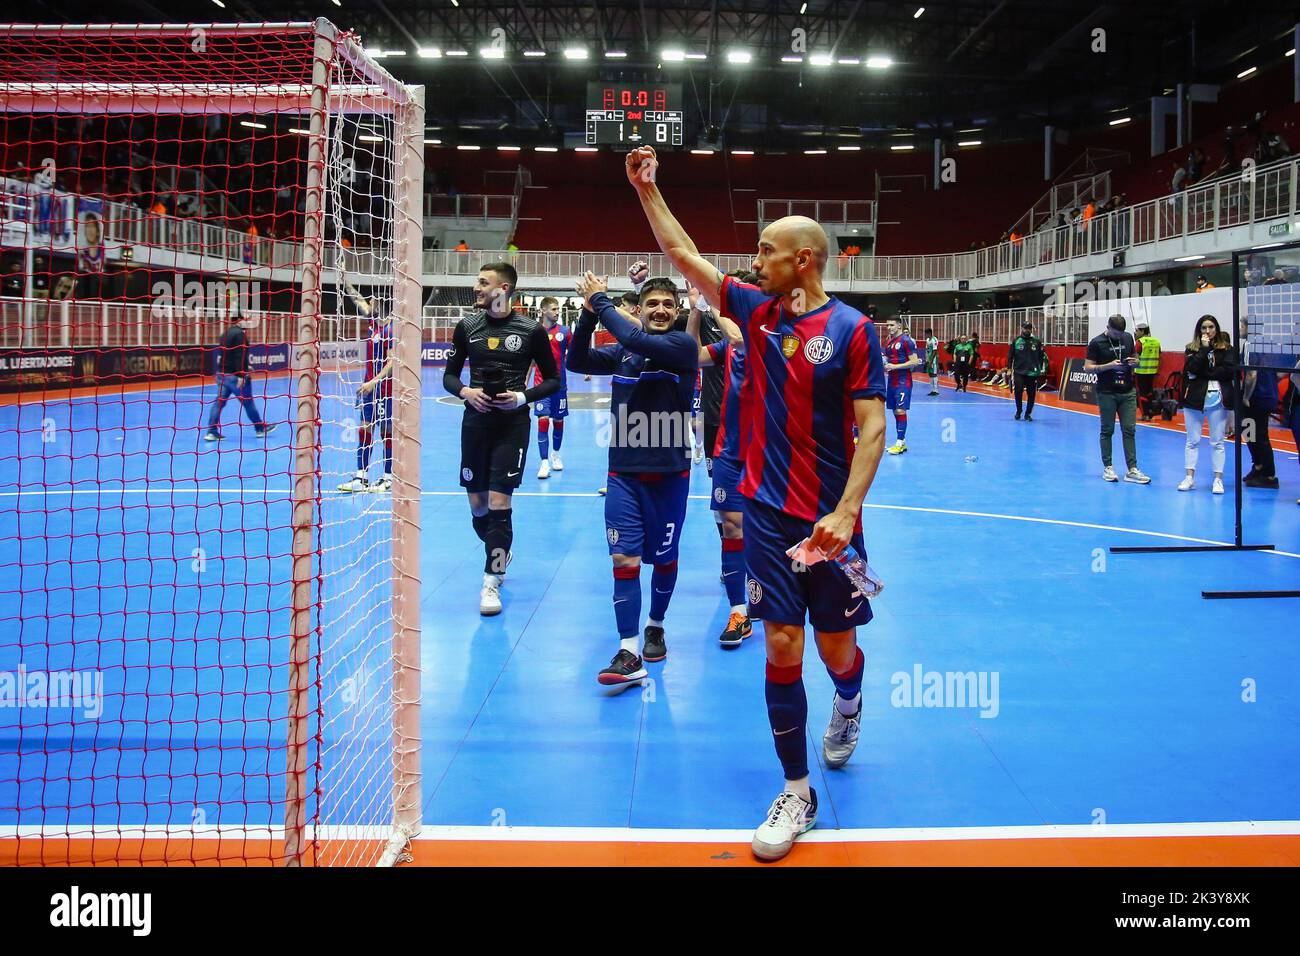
{"points": [[544, 470], [355, 485], [1187, 484], [1109, 474], [789, 816], [1136, 477], [841, 736], [383, 484], [489, 600], [556, 463], [1217, 487]]}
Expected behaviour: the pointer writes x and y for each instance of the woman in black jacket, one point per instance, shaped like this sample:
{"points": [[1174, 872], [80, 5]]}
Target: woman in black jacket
{"points": [[1210, 366]]}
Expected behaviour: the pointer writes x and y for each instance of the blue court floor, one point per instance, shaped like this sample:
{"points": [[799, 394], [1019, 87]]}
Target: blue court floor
{"points": [[1111, 687]]}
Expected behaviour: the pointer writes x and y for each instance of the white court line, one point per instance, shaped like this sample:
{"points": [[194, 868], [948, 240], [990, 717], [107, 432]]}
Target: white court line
{"points": [[591, 494], [1227, 828]]}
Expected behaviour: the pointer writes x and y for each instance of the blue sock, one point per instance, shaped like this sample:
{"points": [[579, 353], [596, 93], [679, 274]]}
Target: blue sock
{"points": [[900, 423], [733, 569], [544, 440], [363, 449], [662, 583], [559, 433], [787, 712], [849, 684], [627, 601]]}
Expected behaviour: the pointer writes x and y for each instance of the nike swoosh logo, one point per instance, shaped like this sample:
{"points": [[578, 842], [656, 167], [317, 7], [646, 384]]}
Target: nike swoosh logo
{"points": [[764, 328], [511, 474], [474, 341], [850, 611], [657, 591], [727, 574], [782, 733]]}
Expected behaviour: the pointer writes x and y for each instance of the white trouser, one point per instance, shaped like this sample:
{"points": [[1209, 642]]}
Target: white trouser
{"points": [[1218, 418]]}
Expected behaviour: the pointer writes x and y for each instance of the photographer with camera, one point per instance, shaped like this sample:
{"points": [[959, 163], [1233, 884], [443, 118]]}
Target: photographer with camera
{"points": [[500, 344], [1113, 356]]}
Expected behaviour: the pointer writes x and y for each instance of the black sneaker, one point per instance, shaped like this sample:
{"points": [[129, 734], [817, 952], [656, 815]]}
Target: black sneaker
{"points": [[265, 430], [1260, 481], [1029, 417], [653, 648], [739, 627], [1017, 416], [626, 668]]}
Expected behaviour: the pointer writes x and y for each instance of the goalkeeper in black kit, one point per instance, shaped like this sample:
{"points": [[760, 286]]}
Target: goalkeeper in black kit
{"points": [[501, 345]]}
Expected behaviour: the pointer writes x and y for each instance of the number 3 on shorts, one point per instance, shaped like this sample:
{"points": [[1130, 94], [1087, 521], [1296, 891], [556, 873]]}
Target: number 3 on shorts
{"points": [[668, 538]]}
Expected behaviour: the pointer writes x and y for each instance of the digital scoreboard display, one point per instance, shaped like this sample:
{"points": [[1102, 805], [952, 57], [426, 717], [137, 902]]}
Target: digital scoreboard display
{"points": [[635, 114]]}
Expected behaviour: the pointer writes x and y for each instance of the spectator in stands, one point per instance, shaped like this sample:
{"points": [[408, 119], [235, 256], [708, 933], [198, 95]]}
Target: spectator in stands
{"points": [[15, 283], [1113, 356], [1209, 376], [1259, 399], [1195, 165], [1161, 287], [1277, 278], [462, 246], [1179, 182], [1148, 368], [1203, 284]]}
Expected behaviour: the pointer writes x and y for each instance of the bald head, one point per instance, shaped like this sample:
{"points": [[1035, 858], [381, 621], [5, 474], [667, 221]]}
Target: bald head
{"points": [[791, 254], [792, 233]]}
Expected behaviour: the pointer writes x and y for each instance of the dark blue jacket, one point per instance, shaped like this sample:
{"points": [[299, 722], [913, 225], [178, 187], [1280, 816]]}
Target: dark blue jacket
{"points": [[652, 384]]}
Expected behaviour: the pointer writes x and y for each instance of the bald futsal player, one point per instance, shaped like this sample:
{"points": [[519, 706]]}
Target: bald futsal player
{"points": [[813, 370]]}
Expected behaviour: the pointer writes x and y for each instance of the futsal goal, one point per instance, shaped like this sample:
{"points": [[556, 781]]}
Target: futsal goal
{"points": [[208, 652]]}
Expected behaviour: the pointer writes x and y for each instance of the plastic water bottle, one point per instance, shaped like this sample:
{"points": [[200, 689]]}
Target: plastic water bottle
{"points": [[970, 459], [857, 570]]}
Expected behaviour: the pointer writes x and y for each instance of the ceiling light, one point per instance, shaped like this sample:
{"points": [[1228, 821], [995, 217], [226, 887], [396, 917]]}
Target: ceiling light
{"points": [[1291, 52], [820, 59], [370, 138], [468, 148], [1188, 258], [970, 142], [508, 149], [492, 52], [575, 53], [879, 62], [673, 55], [701, 152], [919, 11], [433, 142], [814, 152], [615, 54], [851, 61], [739, 56], [251, 124], [802, 7], [534, 53], [791, 59], [848, 149], [458, 53], [1121, 121], [429, 53], [1245, 73], [545, 149], [697, 56], [742, 152], [585, 149], [902, 147]]}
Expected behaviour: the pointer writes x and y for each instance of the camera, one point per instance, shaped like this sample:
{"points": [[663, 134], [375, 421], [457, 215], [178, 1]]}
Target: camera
{"points": [[494, 381]]}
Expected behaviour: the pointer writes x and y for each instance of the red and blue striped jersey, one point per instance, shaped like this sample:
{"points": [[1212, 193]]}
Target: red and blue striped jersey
{"points": [[802, 375], [379, 342], [898, 350], [559, 338], [732, 360]]}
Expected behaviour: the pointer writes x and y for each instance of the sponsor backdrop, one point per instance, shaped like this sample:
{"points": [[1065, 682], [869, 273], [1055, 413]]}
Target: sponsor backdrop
{"points": [[1078, 385], [35, 370]]}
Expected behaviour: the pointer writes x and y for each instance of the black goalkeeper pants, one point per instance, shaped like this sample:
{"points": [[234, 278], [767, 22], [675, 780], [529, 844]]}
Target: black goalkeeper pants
{"points": [[1025, 384]]}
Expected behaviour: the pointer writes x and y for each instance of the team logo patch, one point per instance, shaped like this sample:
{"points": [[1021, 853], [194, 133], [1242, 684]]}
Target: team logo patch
{"points": [[755, 591], [720, 495], [559, 336], [513, 343], [818, 349], [612, 534], [493, 342], [789, 345], [467, 474]]}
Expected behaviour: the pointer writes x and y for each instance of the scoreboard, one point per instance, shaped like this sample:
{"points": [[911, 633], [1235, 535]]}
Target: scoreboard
{"points": [[635, 114]]}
